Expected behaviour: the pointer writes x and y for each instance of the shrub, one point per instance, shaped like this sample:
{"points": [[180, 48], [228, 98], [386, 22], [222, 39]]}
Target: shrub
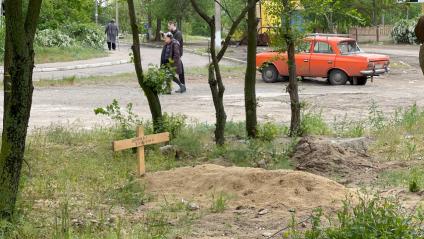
{"points": [[86, 34], [404, 31], [158, 79], [53, 38], [270, 131]]}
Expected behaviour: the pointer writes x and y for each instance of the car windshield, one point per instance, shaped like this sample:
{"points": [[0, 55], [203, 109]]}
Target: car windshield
{"points": [[349, 47]]}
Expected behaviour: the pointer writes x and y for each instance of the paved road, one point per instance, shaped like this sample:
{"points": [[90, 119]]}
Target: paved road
{"points": [[149, 56], [403, 87]]}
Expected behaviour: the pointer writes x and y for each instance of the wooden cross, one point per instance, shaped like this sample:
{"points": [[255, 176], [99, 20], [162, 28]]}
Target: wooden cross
{"points": [[139, 142]]}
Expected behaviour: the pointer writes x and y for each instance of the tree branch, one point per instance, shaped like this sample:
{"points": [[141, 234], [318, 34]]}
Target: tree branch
{"points": [[225, 10], [202, 14], [234, 28]]}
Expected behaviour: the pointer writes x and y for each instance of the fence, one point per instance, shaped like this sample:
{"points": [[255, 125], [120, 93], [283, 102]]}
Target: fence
{"points": [[371, 34]]}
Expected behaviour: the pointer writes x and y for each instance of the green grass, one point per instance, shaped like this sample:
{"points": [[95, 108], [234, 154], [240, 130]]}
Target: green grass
{"points": [[57, 54], [370, 217]]}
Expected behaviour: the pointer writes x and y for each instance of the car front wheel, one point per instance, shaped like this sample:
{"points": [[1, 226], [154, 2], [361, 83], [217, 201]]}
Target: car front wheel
{"points": [[270, 74], [337, 77]]}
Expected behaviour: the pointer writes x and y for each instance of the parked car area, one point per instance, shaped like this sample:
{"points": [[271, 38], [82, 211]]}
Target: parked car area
{"points": [[338, 59]]}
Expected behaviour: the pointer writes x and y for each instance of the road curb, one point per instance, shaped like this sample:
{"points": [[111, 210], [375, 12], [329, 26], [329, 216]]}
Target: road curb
{"points": [[76, 67], [152, 45]]}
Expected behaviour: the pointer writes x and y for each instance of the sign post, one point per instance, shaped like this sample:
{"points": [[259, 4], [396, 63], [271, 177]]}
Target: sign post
{"points": [[139, 142]]}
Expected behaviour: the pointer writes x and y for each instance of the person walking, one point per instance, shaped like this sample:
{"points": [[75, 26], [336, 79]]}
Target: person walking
{"points": [[171, 57], [112, 34], [178, 35]]}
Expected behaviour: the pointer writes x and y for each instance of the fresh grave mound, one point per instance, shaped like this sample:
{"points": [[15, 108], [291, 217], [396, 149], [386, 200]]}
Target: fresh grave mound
{"points": [[259, 201], [246, 186], [346, 160]]}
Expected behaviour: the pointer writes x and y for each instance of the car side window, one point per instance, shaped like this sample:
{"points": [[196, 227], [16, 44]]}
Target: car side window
{"points": [[304, 47], [323, 48]]}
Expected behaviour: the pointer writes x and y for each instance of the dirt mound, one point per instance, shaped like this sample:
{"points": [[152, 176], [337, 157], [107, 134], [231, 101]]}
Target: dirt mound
{"points": [[345, 160], [259, 201]]}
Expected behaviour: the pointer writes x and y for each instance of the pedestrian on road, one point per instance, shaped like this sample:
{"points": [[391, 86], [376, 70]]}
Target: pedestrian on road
{"points": [[112, 34], [171, 57], [178, 35]]}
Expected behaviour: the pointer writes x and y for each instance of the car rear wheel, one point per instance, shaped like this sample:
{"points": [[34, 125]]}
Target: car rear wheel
{"points": [[362, 80], [270, 74], [337, 77]]}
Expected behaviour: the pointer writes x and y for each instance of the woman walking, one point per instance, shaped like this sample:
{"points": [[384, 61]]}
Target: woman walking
{"points": [[171, 56]]}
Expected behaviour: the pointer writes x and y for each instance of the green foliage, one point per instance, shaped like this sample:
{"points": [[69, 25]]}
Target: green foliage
{"points": [[131, 195], [413, 186], [53, 38], [174, 123], [159, 79], [270, 131], [86, 34], [219, 203], [403, 31], [127, 121], [331, 15], [312, 123], [349, 128], [369, 218], [72, 35]]}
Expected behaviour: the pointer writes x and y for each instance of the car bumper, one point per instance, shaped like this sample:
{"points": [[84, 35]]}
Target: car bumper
{"points": [[375, 72]]}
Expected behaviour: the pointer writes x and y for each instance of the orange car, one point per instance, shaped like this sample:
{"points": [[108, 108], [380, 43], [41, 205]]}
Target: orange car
{"points": [[336, 58]]}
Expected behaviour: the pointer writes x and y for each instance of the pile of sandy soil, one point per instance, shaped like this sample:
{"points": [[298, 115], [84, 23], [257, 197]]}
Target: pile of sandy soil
{"points": [[345, 160], [260, 201]]}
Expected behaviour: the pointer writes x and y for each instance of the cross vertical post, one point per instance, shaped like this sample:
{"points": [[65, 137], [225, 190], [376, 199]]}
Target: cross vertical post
{"points": [[140, 153]]}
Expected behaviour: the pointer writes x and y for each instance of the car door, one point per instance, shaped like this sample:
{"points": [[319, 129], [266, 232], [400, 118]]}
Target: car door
{"points": [[322, 59], [303, 59]]}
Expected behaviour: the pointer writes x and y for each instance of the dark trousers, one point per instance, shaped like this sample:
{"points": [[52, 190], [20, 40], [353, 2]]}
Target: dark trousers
{"points": [[111, 45], [182, 76]]}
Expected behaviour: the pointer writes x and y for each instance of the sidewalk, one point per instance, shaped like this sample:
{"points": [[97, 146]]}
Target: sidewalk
{"points": [[118, 57]]}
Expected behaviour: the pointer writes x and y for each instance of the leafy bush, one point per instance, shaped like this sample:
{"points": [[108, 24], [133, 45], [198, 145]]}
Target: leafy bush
{"points": [[85, 35], [88, 35], [269, 131], [159, 79], [53, 38], [174, 123], [126, 121], [313, 123], [403, 31]]}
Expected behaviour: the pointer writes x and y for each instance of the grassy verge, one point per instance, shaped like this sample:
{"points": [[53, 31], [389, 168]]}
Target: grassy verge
{"points": [[228, 72], [57, 54], [74, 186]]}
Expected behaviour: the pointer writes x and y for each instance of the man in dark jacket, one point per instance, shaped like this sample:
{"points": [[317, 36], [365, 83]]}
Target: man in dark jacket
{"points": [[171, 55], [178, 35]]}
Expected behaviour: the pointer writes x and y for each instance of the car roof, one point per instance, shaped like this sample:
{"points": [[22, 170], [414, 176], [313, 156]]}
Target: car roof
{"points": [[330, 38]]}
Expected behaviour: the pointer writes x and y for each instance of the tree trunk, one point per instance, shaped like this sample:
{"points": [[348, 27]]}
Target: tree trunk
{"points": [[217, 90], [292, 88], [158, 29], [215, 79], [180, 23], [293, 92], [18, 89], [250, 77], [422, 57], [152, 97]]}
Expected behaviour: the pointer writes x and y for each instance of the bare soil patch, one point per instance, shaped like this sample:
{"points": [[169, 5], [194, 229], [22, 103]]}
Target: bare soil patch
{"points": [[345, 160], [259, 202]]}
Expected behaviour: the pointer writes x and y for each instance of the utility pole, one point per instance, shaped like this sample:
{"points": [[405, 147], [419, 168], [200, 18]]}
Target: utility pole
{"points": [[218, 24], [96, 14], [117, 13]]}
